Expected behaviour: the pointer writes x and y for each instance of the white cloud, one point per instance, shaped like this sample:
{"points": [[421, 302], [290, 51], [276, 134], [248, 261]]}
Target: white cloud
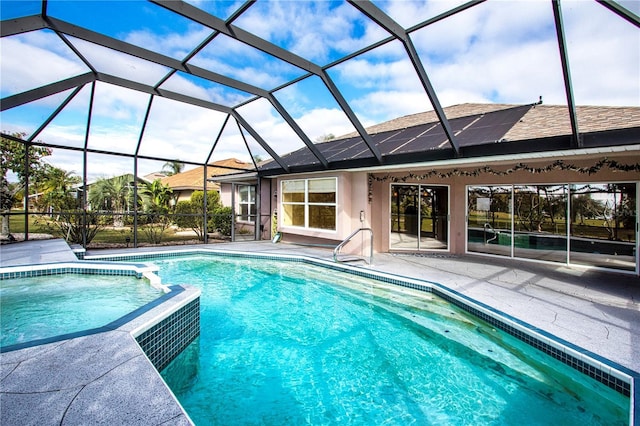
{"points": [[272, 129], [175, 45], [234, 59], [214, 93], [23, 58], [410, 12], [493, 52], [64, 134], [380, 106], [604, 55], [120, 64], [119, 103], [315, 30], [323, 121], [181, 131]]}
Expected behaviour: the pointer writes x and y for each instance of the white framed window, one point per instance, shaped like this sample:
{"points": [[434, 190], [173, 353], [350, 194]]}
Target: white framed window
{"points": [[246, 203], [310, 203]]}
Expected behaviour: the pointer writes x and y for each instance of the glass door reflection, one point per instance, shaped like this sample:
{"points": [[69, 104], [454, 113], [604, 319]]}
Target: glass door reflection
{"points": [[603, 225], [540, 222], [419, 217], [489, 220]]}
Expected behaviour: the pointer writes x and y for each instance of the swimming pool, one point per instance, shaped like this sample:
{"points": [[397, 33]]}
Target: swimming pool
{"points": [[46, 306], [288, 342]]}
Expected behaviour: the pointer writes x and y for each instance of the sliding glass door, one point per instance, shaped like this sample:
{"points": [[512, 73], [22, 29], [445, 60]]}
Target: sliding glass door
{"points": [[540, 222], [603, 225], [419, 217], [489, 224], [582, 224]]}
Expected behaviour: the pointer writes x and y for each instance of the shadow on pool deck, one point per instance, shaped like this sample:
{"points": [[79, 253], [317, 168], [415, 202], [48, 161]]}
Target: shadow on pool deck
{"points": [[593, 309]]}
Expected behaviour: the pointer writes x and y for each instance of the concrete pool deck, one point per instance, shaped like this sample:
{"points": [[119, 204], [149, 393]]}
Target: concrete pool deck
{"points": [[596, 310]]}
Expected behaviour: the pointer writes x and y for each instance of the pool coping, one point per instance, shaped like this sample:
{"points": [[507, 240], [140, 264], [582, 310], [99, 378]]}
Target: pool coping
{"points": [[67, 376]]}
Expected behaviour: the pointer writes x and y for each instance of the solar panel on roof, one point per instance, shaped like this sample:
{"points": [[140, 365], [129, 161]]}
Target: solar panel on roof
{"points": [[470, 130], [302, 157], [433, 139], [491, 127], [349, 152], [409, 136], [335, 145]]}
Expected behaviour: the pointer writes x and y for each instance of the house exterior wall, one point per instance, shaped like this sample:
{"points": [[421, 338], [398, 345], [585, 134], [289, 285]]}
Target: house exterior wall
{"points": [[182, 194], [225, 194], [381, 195], [266, 207], [371, 192], [352, 199]]}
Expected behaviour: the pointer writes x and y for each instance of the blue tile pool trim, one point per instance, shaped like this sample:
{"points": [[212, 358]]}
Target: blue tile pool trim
{"points": [[80, 267], [166, 339], [67, 270], [176, 290], [619, 378]]}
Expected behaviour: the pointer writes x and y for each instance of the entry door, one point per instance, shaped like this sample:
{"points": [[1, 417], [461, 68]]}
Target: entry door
{"points": [[419, 217]]}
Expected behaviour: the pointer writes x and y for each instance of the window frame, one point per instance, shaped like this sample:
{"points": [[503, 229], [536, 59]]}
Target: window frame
{"points": [[249, 218], [306, 203]]}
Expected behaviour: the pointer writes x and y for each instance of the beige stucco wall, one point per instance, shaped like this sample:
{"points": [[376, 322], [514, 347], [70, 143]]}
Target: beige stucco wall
{"points": [[458, 188], [348, 200], [356, 192]]}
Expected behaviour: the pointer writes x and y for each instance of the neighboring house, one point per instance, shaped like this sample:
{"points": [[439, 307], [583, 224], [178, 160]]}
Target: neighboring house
{"points": [[183, 184], [154, 175], [520, 185]]}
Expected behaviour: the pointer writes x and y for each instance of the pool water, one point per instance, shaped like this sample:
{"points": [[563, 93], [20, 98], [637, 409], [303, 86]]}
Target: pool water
{"points": [[291, 343], [51, 305]]}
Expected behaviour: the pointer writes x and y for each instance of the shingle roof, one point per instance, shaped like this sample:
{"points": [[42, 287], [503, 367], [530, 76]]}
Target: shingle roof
{"points": [[455, 111], [553, 120], [194, 178], [479, 129], [540, 121]]}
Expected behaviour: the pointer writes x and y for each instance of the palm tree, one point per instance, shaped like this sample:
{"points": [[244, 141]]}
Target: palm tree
{"points": [[114, 195], [56, 188], [156, 198], [173, 167], [156, 195]]}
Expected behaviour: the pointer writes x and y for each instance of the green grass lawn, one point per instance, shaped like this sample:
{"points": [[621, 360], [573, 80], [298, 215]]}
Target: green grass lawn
{"points": [[39, 224]]}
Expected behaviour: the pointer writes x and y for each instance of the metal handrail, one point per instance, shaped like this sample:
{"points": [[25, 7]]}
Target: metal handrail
{"points": [[495, 234], [346, 240]]}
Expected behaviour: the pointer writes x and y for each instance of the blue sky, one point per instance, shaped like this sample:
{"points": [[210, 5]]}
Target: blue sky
{"points": [[499, 51]]}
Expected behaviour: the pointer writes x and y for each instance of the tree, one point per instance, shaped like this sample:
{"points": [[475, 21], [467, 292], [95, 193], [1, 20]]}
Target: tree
{"points": [[156, 198], [57, 189], [189, 214], [114, 194], [585, 207], [325, 138], [14, 156], [77, 227], [173, 167]]}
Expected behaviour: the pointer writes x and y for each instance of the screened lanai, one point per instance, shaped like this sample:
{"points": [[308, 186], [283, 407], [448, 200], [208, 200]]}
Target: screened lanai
{"points": [[106, 89]]}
